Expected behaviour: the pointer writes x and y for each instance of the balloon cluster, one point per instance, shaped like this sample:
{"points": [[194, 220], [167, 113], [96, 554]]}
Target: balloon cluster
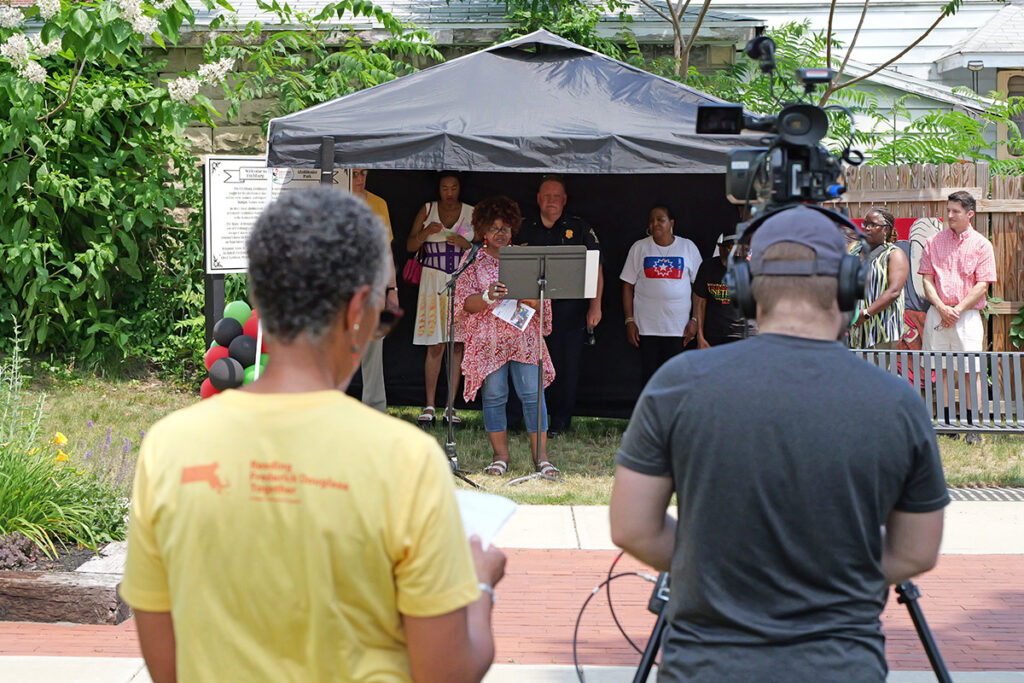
{"points": [[231, 360]]}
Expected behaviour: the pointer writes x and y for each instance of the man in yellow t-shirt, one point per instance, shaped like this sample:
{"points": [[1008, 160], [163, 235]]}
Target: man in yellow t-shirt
{"points": [[374, 394], [285, 532]]}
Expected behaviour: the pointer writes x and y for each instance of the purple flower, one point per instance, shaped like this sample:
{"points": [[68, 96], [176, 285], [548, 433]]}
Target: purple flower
{"points": [[90, 424]]}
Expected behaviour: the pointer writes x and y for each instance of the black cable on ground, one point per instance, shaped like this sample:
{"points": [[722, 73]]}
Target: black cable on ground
{"points": [[611, 608], [579, 617]]}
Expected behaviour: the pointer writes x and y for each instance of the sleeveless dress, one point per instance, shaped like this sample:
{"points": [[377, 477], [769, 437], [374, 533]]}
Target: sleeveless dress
{"points": [[886, 326], [439, 260]]}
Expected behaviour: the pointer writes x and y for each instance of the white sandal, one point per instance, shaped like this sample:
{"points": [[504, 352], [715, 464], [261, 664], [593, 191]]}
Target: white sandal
{"points": [[426, 418], [547, 470], [496, 468]]}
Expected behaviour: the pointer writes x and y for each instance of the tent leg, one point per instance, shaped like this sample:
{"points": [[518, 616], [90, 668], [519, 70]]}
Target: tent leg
{"points": [[327, 160]]}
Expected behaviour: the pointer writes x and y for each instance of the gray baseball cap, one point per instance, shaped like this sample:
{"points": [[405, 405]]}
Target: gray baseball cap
{"points": [[805, 226]]}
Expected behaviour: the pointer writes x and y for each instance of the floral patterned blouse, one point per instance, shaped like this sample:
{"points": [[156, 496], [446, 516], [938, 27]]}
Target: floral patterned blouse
{"points": [[490, 341]]}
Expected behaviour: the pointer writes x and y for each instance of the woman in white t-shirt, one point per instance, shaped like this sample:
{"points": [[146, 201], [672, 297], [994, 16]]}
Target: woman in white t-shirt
{"points": [[657, 279]]}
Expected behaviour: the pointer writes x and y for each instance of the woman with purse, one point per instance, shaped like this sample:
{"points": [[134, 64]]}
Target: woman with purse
{"points": [[440, 233]]}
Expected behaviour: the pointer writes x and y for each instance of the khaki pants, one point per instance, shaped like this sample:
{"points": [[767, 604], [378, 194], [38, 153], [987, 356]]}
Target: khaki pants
{"points": [[372, 367]]}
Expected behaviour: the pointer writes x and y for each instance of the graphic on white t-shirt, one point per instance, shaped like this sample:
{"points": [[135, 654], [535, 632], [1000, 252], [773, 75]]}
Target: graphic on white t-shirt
{"points": [[664, 267]]}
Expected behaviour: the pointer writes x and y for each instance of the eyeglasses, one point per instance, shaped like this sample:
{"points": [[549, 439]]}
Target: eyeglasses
{"points": [[388, 320], [869, 224], [494, 231], [359, 172]]}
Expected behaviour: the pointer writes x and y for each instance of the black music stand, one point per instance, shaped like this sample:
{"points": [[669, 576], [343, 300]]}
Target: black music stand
{"points": [[546, 273]]}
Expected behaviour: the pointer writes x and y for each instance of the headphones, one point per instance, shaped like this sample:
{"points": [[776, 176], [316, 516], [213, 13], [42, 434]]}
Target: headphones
{"points": [[852, 268]]}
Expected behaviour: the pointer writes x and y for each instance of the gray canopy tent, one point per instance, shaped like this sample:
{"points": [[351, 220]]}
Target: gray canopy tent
{"points": [[539, 104]]}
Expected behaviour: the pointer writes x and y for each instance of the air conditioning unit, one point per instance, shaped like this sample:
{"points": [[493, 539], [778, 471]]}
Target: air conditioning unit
{"points": [[1011, 82]]}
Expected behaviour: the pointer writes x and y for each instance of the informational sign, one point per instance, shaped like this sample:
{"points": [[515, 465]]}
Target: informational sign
{"points": [[237, 189]]}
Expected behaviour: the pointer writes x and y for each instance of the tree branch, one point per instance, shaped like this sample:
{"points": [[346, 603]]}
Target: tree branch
{"points": [[657, 11], [696, 27], [71, 89], [910, 47], [828, 36], [849, 50]]}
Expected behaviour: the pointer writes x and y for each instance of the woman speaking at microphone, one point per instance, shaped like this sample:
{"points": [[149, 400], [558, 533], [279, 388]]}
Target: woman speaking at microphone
{"points": [[496, 349]]}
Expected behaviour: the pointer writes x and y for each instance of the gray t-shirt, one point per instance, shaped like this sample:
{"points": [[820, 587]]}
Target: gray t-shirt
{"points": [[787, 455]]}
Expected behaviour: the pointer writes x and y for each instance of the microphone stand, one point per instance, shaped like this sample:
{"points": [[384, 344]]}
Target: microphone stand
{"points": [[453, 376]]}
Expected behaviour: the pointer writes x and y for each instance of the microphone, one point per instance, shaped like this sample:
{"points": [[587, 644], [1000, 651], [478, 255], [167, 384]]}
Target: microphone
{"points": [[477, 245]]}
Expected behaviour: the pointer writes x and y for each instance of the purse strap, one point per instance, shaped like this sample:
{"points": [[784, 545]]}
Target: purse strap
{"points": [[419, 252]]}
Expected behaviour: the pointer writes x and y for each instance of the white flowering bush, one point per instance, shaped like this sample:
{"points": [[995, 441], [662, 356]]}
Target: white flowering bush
{"points": [[93, 159], [92, 162]]}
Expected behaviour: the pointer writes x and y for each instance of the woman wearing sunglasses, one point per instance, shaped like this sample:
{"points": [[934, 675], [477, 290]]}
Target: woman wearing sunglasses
{"points": [[497, 351], [285, 531]]}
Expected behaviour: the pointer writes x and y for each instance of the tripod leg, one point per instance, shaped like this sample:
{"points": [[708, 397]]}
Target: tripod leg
{"points": [[651, 651], [908, 593]]}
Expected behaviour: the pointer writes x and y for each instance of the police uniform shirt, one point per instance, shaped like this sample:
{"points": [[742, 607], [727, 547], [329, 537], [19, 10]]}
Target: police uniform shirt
{"points": [[567, 231]]}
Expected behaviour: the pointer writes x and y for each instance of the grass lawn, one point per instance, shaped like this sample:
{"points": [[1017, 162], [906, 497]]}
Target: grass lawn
{"points": [[120, 411]]}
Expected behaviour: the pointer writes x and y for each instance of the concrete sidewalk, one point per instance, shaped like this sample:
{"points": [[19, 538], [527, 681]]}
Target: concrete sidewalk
{"points": [[972, 527], [110, 670]]}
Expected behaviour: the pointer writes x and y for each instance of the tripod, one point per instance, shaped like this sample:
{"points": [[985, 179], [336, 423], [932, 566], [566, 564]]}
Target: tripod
{"points": [[907, 594], [450, 449]]}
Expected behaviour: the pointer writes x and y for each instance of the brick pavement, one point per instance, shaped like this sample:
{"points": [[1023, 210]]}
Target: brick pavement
{"points": [[974, 604]]}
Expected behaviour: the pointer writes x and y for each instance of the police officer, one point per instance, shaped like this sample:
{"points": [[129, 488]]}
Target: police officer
{"points": [[570, 318]]}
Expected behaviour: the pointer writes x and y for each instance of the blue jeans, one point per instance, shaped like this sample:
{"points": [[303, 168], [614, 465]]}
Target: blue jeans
{"points": [[494, 395]]}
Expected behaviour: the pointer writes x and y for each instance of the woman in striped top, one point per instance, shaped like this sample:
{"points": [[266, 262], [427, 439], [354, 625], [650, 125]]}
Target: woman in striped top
{"points": [[879, 320]]}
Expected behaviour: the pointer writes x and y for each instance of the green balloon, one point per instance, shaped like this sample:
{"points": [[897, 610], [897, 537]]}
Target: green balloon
{"points": [[239, 310], [214, 343], [249, 374]]}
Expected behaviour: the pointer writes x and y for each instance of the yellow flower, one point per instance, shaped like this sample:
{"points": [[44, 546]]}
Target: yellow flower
{"points": [[568, 234], [61, 456], [33, 451], [60, 439]]}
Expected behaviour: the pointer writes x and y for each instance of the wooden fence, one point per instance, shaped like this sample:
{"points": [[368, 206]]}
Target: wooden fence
{"points": [[920, 191]]}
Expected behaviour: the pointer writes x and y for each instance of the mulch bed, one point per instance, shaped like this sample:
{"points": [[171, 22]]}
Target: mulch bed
{"points": [[20, 554]]}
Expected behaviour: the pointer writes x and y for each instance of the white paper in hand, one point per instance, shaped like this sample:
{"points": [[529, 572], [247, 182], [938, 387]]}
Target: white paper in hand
{"points": [[483, 514]]}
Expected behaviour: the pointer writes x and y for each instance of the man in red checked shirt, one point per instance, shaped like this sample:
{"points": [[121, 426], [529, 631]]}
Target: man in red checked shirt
{"points": [[957, 266]]}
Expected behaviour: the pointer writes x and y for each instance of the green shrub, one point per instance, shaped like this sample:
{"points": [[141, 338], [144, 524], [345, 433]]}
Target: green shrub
{"points": [[46, 493]]}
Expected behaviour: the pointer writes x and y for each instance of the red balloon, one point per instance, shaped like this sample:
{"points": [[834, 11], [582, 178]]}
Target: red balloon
{"points": [[206, 390], [250, 326], [214, 354]]}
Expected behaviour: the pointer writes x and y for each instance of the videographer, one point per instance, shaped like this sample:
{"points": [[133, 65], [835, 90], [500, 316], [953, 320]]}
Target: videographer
{"points": [[807, 480], [287, 532]]}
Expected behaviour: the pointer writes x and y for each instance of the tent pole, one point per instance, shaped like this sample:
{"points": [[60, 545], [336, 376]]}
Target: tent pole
{"points": [[327, 160]]}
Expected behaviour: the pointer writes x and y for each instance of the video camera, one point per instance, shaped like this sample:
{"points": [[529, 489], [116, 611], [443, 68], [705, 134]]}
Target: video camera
{"points": [[793, 166]]}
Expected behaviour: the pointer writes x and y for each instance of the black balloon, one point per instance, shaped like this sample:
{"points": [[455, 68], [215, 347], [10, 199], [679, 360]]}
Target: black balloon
{"points": [[243, 349], [225, 330], [226, 373]]}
